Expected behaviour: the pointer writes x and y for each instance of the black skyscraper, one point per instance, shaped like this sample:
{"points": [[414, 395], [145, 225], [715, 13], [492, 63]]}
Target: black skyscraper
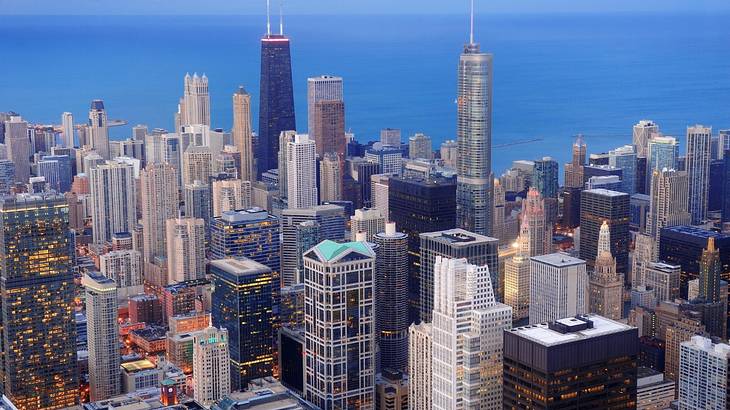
{"points": [[276, 103]]}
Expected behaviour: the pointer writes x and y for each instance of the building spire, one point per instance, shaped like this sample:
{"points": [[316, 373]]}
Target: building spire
{"points": [[268, 17], [711, 244], [604, 239], [281, 17], [471, 24]]}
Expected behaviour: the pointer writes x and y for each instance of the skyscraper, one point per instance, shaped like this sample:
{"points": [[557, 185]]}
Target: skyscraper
{"points": [[242, 133], [197, 164], [99, 129], [197, 201], [301, 158], [67, 124], [419, 146], [195, 103], [276, 104], [474, 198], [211, 365], [391, 298], [543, 368], [545, 177], [342, 273], [123, 266], [159, 203], [247, 233], [420, 360], [330, 178], [517, 275], [322, 88], [558, 287], [624, 158], [18, 147], [369, 220], [726, 185], [390, 137], [597, 206], [642, 134], [606, 285], [710, 271], [102, 330], [703, 374], [230, 195], [113, 200], [668, 204], [467, 321], [698, 170], [329, 127], [574, 170], [185, 249], [37, 287], [243, 305], [534, 224], [662, 152], [456, 243]]}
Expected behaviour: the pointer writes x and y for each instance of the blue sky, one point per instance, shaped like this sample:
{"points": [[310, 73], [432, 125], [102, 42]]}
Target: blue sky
{"points": [[352, 6]]}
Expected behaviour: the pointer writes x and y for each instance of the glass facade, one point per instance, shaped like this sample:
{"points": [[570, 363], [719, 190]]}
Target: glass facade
{"points": [[546, 177], [37, 287]]}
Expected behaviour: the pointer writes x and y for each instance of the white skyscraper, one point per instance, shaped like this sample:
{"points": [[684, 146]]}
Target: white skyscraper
{"points": [[606, 285], [379, 193], [103, 336], [99, 129], [517, 276], [211, 366], [668, 204], [558, 287], [18, 147], [642, 133], [322, 88], [368, 220], [420, 359], [468, 324], [301, 164], [67, 123], [185, 249], [230, 195], [699, 153], [242, 133], [113, 200], [340, 335], [195, 104], [419, 146], [197, 164], [123, 266], [159, 203], [330, 178], [703, 374]]}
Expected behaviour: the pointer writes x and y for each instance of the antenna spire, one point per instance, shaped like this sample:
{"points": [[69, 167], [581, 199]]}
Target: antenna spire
{"points": [[268, 17], [471, 25], [281, 17]]}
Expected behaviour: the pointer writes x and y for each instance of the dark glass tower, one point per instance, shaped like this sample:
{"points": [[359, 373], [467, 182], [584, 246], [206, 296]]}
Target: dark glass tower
{"points": [[37, 287], [597, 206], [276, 104]]}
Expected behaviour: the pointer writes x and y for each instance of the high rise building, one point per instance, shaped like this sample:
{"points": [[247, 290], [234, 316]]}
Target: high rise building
{"points": [[710, 271], [449, 153], [185, 249], [703, 374], [668, 204], [467, 321], [99, 129], [197, 201], [544, 369], [331, 225], [517, 276], [379, 187], [389, 158], [390, 137], [7, 176], [624, 158], [545, 177], [195, 103], [67, 124], [247, 233], [597, 206], [243, 304], [165, 149], [242, 133], [456, 243], [558, 287], [574, 170], [113, 200], [276, 104], [211, 366], [642, 134], [418, 206], [123, 266], [37, 287], [420, 360], [606, 285], [197, 164], [534, 225], [18, 147], [726, 186], [474, 135], [664, 279], [662, 152], [102, 329], [301, 164], [498, 230], [230, 195], [58, 172], [698, 170], [419, 146], [159, 203], [326, 114], [342, 273], [369, 220], [330, 178], [391, 298]]}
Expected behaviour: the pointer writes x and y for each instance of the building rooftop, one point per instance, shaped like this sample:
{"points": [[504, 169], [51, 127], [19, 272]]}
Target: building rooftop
{"points": [[138, 366], [239, 266], [558, 259], [246, 215], [458, 237], [570, 329], [605, 192], [696, 232], [330, 250]]}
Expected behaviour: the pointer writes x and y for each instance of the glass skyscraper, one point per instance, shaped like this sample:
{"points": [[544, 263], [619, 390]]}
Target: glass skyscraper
{"points": [[276, 105], [625, 159], [546, 177], [475, 189], [242, 303], [662, 153], [37, 287]]}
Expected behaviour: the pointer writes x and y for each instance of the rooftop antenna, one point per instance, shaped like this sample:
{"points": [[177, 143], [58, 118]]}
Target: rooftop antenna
{"points": [[268, 17], [281, 17], [471, 29]]}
